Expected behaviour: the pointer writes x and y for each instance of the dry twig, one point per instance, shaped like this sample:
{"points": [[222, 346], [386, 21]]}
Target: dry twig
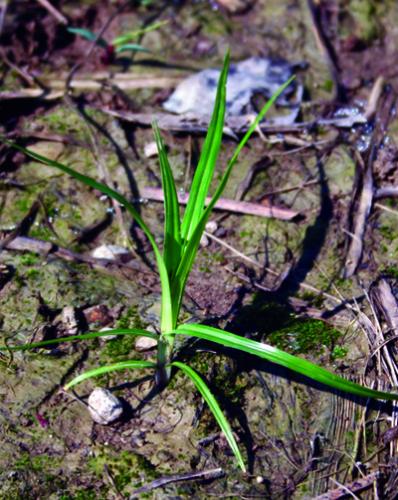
{"points": [[204, 475], [361, 484], [361, 214], [242, 207], [53, 11]]}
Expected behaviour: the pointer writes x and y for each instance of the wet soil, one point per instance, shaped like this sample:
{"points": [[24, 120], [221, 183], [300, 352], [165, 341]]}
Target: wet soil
{"points": [[300, 440]]}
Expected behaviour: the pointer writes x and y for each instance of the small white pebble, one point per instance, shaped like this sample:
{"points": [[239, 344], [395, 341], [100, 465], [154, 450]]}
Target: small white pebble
{"points": [[108, 337], [109, 252], [103, 406], [150, 150], [204, 241], [145, 343], [211, 226], [259, 479]]}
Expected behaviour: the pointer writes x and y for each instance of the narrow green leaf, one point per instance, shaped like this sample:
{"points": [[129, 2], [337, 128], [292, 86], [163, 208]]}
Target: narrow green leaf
{"points": [[208, 158], [96, 372], [242, 144], [191, 245], [198, 224], [89, 35], [83, 336], [279, 357], [167, 319], [133, 35], [215, 409], [131, 46], [172, 229]]}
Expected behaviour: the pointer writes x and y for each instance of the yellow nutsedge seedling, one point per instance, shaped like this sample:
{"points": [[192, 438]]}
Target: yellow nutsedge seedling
{"points": [[180, 245]]}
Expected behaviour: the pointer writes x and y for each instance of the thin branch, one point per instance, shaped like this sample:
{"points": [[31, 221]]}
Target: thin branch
{"points": [[386, 192], [53, 11], [242, 207], [204, 475], [357, 486]]}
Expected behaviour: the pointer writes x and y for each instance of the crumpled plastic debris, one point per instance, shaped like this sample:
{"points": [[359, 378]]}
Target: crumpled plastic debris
{"points": [[254, 76]]}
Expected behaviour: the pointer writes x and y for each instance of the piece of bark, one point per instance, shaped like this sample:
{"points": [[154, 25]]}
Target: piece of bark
{"points": [[326, 48], [374, 97], [53, 11], [386, 302], [236, 6], [204, 475], [237, 124], [386, 192], [361, 484], [26, 244], [57, 88], [22, 226], [144, 82], [364, 205], [192, 124], [368, 162], [30, 94], [242, 207]]}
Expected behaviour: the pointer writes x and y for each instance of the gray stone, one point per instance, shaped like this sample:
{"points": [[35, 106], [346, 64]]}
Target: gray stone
{"points": [[69, 320]]}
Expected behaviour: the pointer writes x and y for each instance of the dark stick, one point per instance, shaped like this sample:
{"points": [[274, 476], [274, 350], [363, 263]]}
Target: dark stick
{"points": [[357, 486], [204, 475], [327, 48]]}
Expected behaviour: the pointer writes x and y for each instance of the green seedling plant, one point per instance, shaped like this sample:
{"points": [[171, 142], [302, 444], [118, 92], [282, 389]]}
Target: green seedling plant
{"points": [[182, 236], [120, 44]]}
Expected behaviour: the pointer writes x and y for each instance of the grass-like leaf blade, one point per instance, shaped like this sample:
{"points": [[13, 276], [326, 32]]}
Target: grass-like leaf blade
{"points": [[166, 315], [89, 35], [131, 47], [96, 372], [282, 358], [133, 35], [215, 409], [221, 186], [208, 158], [191, 246], [172, 224], [82, 336]]}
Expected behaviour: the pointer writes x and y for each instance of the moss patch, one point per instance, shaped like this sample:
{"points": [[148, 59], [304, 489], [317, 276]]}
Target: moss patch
{"points": [[305, 336]]}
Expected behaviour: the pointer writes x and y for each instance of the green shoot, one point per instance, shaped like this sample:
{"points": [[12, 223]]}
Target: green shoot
{"points": [[132, 36], [119, 44], [172, 226], [90, 36]]}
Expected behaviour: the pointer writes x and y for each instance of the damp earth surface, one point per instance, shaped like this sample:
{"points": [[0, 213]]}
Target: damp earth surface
{"points": [[282, 283]]}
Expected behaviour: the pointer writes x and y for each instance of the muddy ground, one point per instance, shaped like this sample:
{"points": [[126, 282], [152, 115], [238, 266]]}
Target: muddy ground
{"points": [[296, 284]]}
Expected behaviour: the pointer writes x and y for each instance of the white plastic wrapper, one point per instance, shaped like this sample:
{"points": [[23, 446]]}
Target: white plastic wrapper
{"points": [[255, 76]]}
